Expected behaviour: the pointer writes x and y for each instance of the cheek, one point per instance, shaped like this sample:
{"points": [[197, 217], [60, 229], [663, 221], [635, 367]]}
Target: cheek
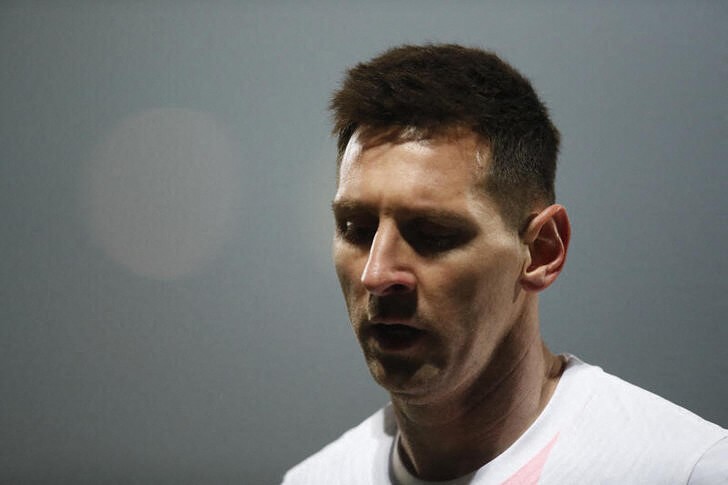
{"points": [[349, 274], [482, 291], [342, 264], [472, 296]]}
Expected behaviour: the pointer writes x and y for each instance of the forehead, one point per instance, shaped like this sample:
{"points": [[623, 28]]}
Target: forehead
{"points": [[439, 171], [457, 154]]}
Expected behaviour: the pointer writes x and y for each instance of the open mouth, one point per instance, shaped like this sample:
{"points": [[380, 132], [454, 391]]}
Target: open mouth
{"points": [[396, 336]]}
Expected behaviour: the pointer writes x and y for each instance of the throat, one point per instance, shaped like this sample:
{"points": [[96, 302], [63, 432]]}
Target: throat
{"points": [[446, 440]]}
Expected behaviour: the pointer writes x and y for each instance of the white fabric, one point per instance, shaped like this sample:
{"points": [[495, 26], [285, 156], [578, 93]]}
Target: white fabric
{"points": [[596, 429], [712, 467]]}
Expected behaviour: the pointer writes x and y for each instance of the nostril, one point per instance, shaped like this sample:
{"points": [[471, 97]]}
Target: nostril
{"points": [[396, 288], [389, 288]]}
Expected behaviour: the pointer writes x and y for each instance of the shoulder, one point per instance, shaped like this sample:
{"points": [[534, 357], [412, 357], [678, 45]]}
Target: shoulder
{"points": [[619, 426], [712, 466], [635, 410], [355, 457]]}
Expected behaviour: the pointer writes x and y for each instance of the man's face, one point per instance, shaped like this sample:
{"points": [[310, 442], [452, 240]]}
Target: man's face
{"points": [[429, 270]]}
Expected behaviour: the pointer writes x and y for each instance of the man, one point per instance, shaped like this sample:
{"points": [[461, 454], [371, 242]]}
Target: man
{"points": [[446, 231]]}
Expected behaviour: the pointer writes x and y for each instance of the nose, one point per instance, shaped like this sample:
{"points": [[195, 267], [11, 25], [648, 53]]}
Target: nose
{"points": [[386, 271]]}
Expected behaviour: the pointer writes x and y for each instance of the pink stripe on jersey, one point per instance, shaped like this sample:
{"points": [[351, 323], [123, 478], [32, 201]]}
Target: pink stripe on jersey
{"points": [[531, 471]]}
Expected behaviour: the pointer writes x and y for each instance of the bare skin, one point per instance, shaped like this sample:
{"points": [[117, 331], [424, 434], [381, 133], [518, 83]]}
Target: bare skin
{"points": [[442, 442], [443, 298]]}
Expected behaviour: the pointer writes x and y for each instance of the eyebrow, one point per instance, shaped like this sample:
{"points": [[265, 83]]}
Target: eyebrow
{"points": [[345, 207]]}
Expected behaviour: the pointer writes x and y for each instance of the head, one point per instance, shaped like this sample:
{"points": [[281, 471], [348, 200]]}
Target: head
{"points": [[420, 92], [445, 228]]}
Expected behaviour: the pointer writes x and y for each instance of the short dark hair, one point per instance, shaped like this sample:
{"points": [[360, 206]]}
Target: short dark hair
{"points": [[432, 89]]}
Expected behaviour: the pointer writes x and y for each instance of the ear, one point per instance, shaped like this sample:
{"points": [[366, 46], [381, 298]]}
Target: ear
{"points": [[547, 237]]}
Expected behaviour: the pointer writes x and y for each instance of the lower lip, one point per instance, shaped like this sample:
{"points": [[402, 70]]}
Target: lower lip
{"points": [[394, 337]]}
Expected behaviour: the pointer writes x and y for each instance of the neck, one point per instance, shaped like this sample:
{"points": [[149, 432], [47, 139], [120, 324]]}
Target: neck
{"points": [[448, 439]]}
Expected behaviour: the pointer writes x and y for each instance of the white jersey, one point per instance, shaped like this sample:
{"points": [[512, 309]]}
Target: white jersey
{"points": [[596, 429]]}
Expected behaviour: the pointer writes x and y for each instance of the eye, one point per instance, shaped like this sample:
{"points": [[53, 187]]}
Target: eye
{"points": [[358, 232], [432, 239]]}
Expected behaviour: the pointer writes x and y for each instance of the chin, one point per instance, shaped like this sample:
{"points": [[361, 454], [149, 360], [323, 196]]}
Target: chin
{"points": [[404, 378]]}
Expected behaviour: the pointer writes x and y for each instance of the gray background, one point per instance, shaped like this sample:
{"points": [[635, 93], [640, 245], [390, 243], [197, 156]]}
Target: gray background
{"points": [[168, 311]]}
